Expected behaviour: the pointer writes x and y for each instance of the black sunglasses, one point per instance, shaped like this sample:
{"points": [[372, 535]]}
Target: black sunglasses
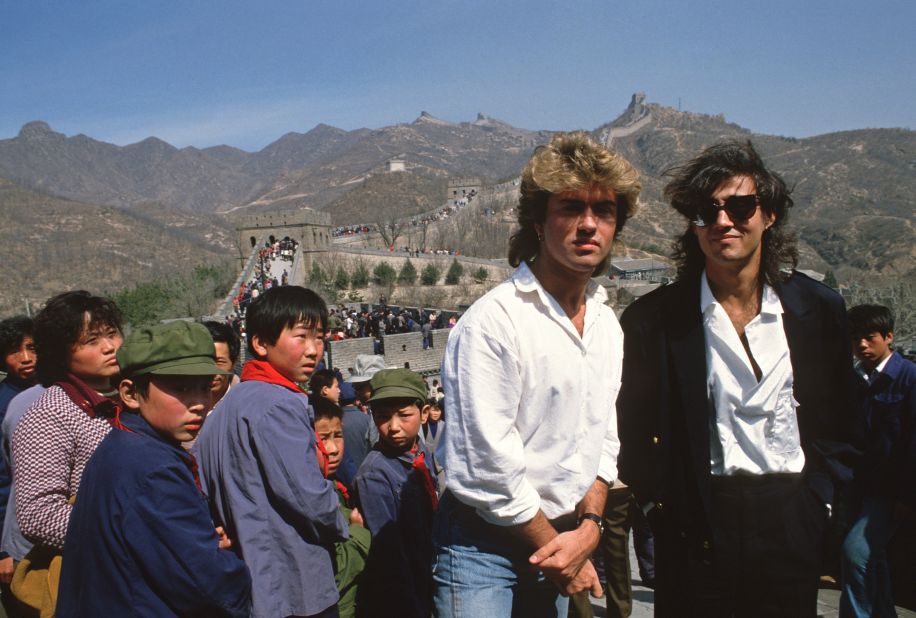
{"points": [[738, 207]]}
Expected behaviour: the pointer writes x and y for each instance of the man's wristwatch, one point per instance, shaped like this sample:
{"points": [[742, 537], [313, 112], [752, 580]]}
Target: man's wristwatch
{"points": [[598, 521]]}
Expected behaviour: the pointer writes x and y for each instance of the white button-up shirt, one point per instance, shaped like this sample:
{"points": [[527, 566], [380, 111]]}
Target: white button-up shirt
{"points": [[529, 403], [755, 422]]}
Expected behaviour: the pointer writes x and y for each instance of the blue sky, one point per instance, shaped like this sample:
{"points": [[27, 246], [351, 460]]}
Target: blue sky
{"points": [[244, 73]]}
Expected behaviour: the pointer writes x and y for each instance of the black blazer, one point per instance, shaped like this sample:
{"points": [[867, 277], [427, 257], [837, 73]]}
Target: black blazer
{"points": [[663, 406]]}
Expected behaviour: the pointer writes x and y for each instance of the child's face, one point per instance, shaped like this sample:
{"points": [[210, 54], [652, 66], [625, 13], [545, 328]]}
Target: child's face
{"points": [[330, 433], [398, 421], [20, 363], [175, 405], [435, 413], [296, 352], [871, 348], [92, 357], [332, 392]]}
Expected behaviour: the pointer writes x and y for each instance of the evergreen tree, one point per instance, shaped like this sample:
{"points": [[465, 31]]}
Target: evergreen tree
{"points": [[454, 273], [481, 274], [384, 274], [408, 274], [360, 277], [342, 280], [430, 275]]}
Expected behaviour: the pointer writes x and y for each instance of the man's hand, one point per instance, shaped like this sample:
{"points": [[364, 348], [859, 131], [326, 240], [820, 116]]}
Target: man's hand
{"points": [[6, 570], [357, 518], [565, 560], [224, 541]]}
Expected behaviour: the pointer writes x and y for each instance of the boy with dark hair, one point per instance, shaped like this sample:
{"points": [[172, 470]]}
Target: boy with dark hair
{"points": [[258, 461], [351, 554], [324, 383], [227, 346], [140, 538], [886, 404], [397, 496], [17, 361], [76, 338]]}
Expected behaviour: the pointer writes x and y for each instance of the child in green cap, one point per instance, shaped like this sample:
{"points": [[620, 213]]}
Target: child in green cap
{"points": [[141, 538], [397, 496]]}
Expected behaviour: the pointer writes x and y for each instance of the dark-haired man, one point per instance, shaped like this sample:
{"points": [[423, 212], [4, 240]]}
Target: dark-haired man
{"points": [[227, 345], [734, 402], [530, 376], [885, 394]]}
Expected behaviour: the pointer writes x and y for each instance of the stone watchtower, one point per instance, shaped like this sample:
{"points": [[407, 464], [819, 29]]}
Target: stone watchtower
{"points": [[310, 228]]}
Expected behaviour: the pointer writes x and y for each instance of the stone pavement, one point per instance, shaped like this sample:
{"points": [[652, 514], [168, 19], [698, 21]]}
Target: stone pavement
{"points": [[828, 601]]}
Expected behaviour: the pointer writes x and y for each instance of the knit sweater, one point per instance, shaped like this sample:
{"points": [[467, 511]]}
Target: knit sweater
{"points": [[51, 446]]}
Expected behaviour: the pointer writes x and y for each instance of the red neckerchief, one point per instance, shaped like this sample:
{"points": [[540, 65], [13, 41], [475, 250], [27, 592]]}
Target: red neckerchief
{"points": [[195, 471], [88, 400], [323, 453], [343, 491], [325, 462], [419, 463], [262, 371]]}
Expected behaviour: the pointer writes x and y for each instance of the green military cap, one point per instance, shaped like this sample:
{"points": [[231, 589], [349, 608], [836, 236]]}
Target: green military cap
{"points": [[176, 349], [398, 384]]}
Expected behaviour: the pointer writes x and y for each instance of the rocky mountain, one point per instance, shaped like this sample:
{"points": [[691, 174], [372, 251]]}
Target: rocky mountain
{"points": [[854, 190], [310, 169], [50, 244]]}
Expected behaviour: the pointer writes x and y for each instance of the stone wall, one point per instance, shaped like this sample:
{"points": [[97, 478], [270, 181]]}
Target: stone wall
{"points": [[342, 354], [399, 348]]}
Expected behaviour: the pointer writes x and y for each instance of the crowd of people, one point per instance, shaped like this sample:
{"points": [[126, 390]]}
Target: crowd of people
{"points": [[722, 417], [348, 323], [443, 213]]}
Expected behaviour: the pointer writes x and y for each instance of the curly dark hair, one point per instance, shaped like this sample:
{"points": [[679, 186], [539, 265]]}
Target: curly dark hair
{"points": [[59, 325], [571, 161], [696, 181]]}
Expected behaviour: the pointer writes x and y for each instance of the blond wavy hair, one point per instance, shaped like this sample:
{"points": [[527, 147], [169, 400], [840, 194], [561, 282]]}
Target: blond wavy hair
{"points": [[570, 162]]}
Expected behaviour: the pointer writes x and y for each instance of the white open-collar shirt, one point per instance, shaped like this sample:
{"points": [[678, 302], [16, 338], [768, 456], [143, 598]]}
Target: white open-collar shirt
{"points": [[755, 426], [529, 404]]}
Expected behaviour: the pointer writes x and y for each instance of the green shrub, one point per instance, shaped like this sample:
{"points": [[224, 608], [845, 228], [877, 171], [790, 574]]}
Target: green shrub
{"points": [[430, 275], [384, 274], [408, 274], [454, 273]]}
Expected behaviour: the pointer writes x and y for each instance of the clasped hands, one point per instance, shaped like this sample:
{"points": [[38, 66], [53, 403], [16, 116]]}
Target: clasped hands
{"points": [[565, 560]]}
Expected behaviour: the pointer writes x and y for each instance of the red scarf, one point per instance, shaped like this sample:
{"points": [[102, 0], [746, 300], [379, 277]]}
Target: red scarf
{"points": [[88, 400], [262, 371], [325, 461], [419, 463]]}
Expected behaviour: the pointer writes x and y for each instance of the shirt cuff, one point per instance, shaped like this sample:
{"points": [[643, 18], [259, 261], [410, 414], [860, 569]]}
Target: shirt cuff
{"points": [[607, 469]]}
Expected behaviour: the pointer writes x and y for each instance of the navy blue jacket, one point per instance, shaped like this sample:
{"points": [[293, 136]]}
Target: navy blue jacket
{"points": [[887, 424], [398, 512], [141, 541]]}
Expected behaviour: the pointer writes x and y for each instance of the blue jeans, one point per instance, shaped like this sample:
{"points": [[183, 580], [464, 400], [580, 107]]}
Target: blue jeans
{"points": [[478, 572], [866, 578]]}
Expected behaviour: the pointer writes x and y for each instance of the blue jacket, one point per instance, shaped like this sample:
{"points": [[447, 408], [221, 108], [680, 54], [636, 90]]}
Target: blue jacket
{"points": [[259, 467], [398, 512], [8, 389], [141, 541], [887, 424]]}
